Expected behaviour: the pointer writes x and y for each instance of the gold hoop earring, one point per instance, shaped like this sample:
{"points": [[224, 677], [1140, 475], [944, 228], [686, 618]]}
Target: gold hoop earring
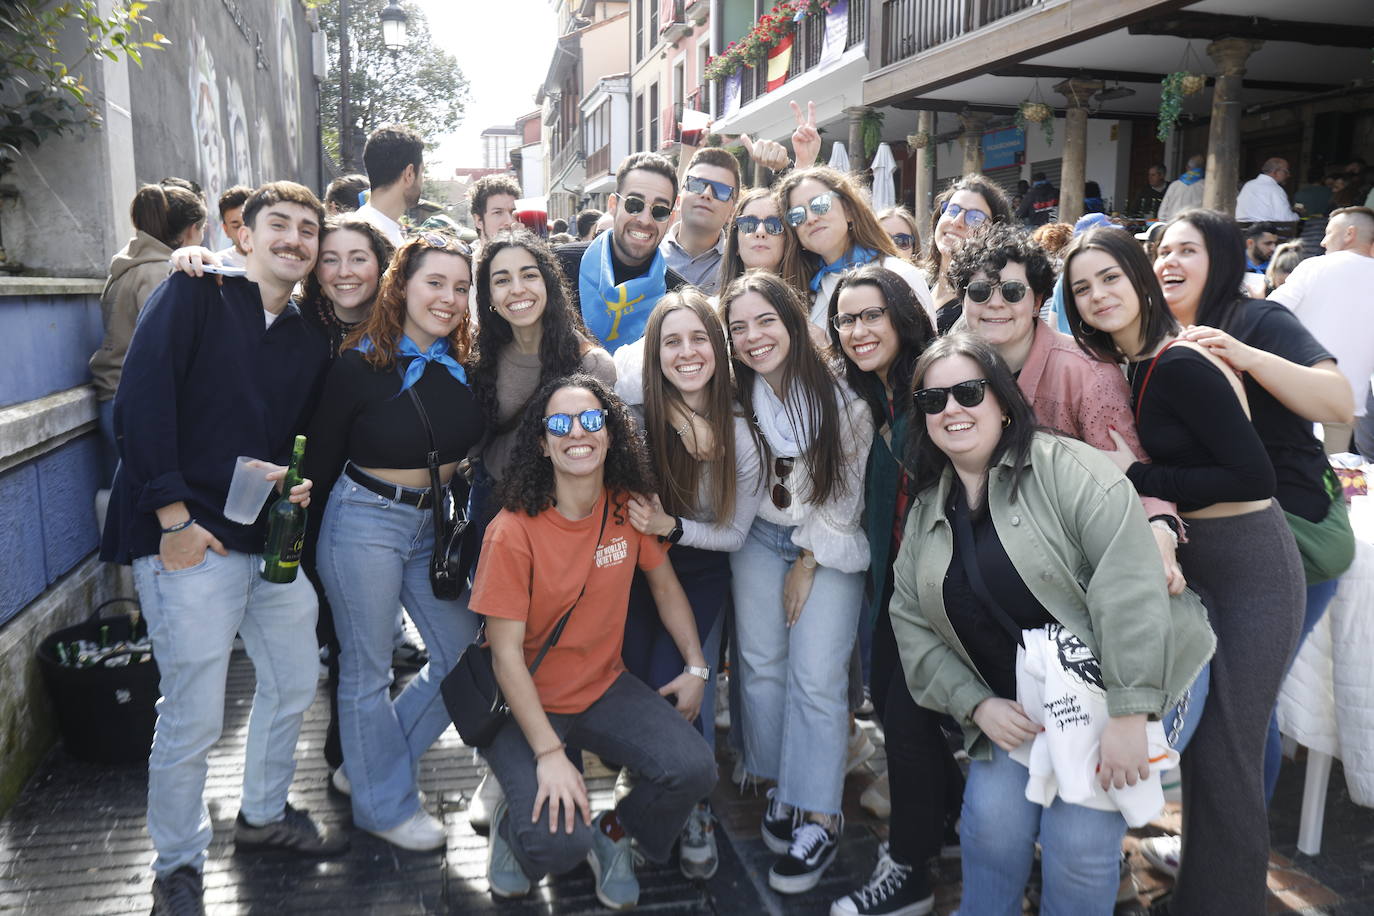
{"points": [[1006, 421]]}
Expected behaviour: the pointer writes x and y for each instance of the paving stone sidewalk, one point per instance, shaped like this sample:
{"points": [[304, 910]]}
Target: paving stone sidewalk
{"points": [[75, 845]]}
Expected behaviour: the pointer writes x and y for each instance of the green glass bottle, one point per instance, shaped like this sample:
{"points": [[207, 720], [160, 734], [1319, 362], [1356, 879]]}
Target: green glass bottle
{"points": [[281, 556]]}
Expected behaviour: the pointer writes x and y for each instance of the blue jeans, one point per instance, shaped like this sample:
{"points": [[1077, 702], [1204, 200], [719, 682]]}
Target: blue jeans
{"points": [[192, 617], [375, 552], [1318, 597], [794, 681], [1080, 848]]}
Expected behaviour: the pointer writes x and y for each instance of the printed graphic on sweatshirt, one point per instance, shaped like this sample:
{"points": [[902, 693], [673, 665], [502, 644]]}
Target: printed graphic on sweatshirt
{"points": [[1076, 658], [612, 554]]}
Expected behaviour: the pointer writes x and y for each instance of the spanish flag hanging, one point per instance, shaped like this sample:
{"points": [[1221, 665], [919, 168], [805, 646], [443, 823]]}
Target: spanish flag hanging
{"points": [[779, 60]]}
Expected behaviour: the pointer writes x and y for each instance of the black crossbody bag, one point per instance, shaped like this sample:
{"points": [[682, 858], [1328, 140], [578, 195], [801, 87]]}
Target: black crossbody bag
{"points": [[452, 560], [471, 693]]}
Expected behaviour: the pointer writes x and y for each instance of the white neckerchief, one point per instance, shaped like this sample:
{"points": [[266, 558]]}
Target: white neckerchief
{"points": [[784, 425]]}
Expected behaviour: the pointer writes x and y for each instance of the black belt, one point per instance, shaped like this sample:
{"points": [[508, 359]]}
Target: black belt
{"points": [[408, 496]]}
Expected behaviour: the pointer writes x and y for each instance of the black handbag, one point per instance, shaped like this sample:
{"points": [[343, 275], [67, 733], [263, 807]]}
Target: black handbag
{"points": [[470, 691], [452, 560]]}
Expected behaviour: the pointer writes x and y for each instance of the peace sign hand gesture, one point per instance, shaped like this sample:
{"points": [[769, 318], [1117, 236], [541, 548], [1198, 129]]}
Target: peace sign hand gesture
{"points": [[806, 140]]}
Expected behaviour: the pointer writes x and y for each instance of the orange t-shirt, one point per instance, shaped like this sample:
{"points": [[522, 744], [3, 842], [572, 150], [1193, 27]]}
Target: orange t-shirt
{"points": [[531, 569]]}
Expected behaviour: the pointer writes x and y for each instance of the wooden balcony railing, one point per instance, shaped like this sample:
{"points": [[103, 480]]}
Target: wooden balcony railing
{"points": [[571, 149], [913, 26], [599, 162]]}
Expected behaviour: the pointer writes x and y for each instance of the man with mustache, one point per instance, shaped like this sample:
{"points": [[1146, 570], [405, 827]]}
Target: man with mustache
{"points": [[216, 371]]}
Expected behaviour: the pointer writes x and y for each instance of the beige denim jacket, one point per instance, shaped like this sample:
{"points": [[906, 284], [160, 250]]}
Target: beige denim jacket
{"points": [[1081, 542]]}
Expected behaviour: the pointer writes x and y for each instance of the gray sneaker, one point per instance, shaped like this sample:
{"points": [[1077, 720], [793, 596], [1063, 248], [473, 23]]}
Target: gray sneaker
{"points": [[697, 856], [504, 874], [612, 858], [295, 833], [179, 893]]}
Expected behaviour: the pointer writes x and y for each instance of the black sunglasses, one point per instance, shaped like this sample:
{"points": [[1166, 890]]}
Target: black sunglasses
{"points": [[967, 394], [695, 184], [904, 240], [819, 205], [980, 291], [748, 225], [591, 421], [634, 205], [782, 467]]}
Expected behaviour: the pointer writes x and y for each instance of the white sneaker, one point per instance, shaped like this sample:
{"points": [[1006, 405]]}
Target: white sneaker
{"points": [[483, 803], [722, 702], [860, 749], [338, 781], [877, 798], [624, 784], [1164, 853], [422, 832]]}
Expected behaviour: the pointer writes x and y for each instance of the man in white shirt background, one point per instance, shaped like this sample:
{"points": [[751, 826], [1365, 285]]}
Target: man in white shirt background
{"points": [[1331, 295], [1185, 191], [1263, 199], [230, 220], [394, 157]]}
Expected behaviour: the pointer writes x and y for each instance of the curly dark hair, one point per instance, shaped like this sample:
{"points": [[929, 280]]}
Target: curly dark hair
{"points": [[989, 251], [529, 484], [564, 339]]}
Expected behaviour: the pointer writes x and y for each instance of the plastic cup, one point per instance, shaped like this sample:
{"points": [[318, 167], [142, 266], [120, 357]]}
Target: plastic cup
{"points": [[248, 490], [693, 124]]}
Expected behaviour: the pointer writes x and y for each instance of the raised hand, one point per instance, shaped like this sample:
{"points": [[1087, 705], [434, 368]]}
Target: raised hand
{"points": [[768, 153], [806, 140]]}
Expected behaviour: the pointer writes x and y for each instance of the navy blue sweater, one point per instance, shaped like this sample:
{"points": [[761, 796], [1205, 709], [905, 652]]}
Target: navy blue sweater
{"points": [[205, 381]]}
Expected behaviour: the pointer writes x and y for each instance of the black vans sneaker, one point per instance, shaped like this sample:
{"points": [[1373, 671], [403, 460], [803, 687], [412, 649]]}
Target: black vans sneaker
{"points": [[296, 833], [893, 890], [778, 822], [179, 893], [812, 850]]}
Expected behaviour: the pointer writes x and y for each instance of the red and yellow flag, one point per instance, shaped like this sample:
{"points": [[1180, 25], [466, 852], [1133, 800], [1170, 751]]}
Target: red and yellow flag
{"points": [[779, 60]]}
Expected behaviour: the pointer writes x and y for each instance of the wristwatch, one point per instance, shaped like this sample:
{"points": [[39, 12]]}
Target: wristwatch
{"points": [[672, 537], [703, 672]]}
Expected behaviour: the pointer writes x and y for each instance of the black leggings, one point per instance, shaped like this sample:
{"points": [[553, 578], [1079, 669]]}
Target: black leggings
{"points": [[926, 783]]}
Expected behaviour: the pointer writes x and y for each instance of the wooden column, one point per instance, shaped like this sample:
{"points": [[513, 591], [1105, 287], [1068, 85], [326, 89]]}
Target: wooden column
{"points": [[1223, 137], [1073, 168]]}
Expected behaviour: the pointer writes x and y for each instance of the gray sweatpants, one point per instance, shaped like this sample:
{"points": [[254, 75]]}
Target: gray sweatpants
{"points": [[1249, 573]]}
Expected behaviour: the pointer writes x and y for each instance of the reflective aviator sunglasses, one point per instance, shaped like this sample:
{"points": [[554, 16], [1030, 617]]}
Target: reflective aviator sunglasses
{"points": [[560, 424], [634, 205], [695, 184], [819, 205], [748, 225], [966, 394]]}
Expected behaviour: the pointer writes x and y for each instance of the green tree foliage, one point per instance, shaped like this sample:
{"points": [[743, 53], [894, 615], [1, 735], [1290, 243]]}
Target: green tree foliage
{"points": [[42, 47], [421, 86]]}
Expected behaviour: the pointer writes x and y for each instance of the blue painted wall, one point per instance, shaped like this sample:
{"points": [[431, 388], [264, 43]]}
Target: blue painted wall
{"points": [[45, 342], [47, 520]]}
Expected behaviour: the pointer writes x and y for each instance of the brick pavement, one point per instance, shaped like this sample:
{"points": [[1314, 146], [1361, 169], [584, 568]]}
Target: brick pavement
{"points": [[75, 845]]}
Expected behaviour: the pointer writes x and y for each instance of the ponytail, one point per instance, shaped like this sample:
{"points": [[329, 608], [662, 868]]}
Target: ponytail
{"points": [[165, 212]]}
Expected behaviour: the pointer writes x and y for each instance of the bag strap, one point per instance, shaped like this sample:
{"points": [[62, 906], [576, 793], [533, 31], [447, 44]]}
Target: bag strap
{"points": [[1149, 372], [963, 530], [435, 490]]}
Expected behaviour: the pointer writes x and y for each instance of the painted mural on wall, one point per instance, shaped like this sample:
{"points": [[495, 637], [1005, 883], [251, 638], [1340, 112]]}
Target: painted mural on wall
{"points": [[244, 110]]}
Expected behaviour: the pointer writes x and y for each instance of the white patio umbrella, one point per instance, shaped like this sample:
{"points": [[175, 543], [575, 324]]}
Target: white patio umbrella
{"points": [[883, 166], [839, 159]]}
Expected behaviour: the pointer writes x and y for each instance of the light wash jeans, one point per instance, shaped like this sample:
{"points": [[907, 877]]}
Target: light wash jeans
{"points": [[192, 617], [374, 552], [1080, 846], [794, 681]]}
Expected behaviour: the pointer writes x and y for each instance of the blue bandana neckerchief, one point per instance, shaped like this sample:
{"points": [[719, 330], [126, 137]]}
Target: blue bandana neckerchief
{"points": [[438, 352], [1192, 176], [617, 315], [854, 256]]}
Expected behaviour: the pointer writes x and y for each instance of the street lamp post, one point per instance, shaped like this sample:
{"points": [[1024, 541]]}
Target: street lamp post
{"points": [[394, 22]]}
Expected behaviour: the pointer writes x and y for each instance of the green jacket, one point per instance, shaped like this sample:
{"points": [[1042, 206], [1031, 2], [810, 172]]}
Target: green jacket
{"points": [[881, 481], [1081, 542]]}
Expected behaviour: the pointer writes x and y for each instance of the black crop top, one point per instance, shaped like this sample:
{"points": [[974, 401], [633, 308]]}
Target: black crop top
{"points": [[1203, 448], [362, 419]]}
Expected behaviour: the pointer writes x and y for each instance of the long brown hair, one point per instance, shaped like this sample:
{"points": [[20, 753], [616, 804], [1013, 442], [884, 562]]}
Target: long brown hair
{"points": [[731, 267], [314, 302], [999, 211], [864, 228], [678, 470], [384, 326], [804, 366]]}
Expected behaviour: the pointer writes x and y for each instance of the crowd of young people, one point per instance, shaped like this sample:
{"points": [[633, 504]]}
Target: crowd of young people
{"points": [[783, 423]]}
